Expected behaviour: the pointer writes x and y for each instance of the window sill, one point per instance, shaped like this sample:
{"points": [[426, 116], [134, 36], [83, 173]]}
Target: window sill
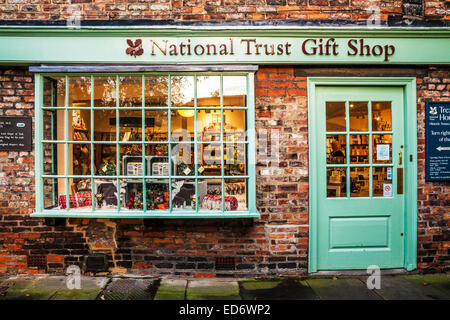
{"points": [[146, 215]]}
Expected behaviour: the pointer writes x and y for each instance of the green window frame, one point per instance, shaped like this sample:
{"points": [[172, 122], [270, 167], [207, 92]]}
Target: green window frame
{"points": [[119, 212]]}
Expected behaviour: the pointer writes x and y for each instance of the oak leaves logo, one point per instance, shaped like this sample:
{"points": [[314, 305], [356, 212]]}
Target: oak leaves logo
{"points": [[134, 48]]}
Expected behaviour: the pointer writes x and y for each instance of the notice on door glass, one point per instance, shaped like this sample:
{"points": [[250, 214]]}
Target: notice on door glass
{"points": [[382, 152], [387, 190]]}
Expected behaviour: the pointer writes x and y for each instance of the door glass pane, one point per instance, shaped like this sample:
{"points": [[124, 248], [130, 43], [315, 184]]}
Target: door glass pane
{"points": [[382, 180], [381, 116], [336, 116], [382, 148], [358, 116], [336, 182], [336, 149], [359, 182], [359, 148]]}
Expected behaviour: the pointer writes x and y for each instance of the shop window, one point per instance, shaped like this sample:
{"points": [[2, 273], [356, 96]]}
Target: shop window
{"points": [[145, 145]]}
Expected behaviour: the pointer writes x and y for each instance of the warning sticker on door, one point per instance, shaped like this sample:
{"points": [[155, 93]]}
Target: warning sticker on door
{"points": [[387, 190]]}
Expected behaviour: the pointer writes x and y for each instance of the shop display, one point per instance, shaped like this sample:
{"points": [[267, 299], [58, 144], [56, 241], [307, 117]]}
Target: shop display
{"points": [[77, 200], [214, 202]]}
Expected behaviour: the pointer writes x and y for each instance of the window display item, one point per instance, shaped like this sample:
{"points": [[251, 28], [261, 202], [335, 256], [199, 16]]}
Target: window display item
{"points": [[183, 196], [82, 199], [214, 202], [107, 169], [135, 201], [99, 197], [108, 189]]}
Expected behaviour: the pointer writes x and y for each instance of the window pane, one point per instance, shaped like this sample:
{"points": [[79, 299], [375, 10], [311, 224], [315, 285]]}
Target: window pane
{"points": [[156, 91], [235, 159], [134, 194], [50, 123], [81, 124], [336, 149], [336, 116], [182, 125], [183, 194], [358, 116], [130, 92], [381, 116], [234, 91], [183, 154], [105, 194], [208, 125], [79, 91], [54, 158], [54, 193], [130, 128], [104, 125], [359, 178], [235, 125], [359, 148], [209, 163], [105, 159], [131, 159], [208, 91], [336, 182], [182, 91], [158, 194], [382, 148], [235, 194], [80, 162], [156, 125], [382, 177], [160, 149], [105, 91], [59, 91]]}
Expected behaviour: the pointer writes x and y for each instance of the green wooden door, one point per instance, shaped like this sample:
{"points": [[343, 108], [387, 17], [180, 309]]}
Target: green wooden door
{"points": [[359, 132]]}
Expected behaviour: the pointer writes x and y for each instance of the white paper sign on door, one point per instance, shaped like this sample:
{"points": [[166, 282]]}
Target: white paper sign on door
{"points": [[387, 190], [382, 152]]}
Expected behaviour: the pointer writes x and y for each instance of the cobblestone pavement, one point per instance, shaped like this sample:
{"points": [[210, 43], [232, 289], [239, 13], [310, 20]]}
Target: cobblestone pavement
{"points": [[400, 287]]}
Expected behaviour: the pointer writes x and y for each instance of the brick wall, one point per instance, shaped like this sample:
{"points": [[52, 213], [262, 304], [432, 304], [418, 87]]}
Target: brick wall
{"points": [[433, 232], [213, 9], [275, 244]]}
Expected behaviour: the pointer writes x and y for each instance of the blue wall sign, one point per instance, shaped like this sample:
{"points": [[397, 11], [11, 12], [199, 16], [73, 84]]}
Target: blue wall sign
{"points": [[437, 141]]}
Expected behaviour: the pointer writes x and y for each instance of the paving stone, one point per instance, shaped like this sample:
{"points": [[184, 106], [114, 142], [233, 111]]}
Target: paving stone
{"points": [[130, 289], [396, 288], [32, 288], [435, 286], [342, 289], [171, 289], [276, 289], [90, 289], [212, 290]]}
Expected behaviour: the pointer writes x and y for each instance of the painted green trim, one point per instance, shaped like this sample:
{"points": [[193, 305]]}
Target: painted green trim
{"points": [[146, 215], [107, 46], [410, 108]]}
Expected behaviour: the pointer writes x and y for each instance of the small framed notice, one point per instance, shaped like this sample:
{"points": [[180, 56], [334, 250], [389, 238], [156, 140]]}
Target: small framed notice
{"points": [[15, 133], [382, 152], [387, 190]]}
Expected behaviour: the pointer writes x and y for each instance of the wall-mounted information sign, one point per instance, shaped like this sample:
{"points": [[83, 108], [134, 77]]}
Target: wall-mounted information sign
{"points": [[437, 135], [15, 133]]}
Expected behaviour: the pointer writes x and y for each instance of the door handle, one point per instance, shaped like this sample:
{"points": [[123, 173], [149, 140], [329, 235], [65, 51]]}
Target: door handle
{"points": [[400, 158]]}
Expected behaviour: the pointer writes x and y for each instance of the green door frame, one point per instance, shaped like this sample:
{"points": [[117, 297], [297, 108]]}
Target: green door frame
{"points": [[410, 132]]}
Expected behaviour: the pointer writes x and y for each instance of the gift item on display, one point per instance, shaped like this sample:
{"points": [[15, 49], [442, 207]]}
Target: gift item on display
{"points": [[109, 191], [107, 168], [78, 200], [233, 188], [214, 202]]}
